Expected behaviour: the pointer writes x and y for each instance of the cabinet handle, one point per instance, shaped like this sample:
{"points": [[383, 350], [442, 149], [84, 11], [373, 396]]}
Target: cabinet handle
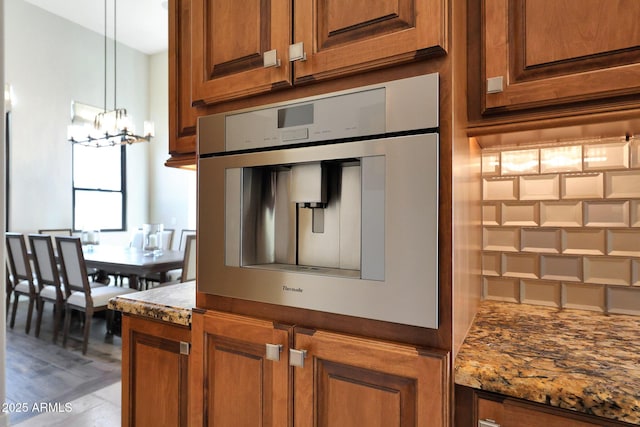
{"points": [[495, 84], [273, 352], [487, 423], [296, 357], [184, 348], [270, 59], [297, 53]]}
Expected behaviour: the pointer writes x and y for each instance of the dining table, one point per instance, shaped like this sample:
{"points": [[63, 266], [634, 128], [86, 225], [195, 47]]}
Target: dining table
{"points": [[132, 262]]}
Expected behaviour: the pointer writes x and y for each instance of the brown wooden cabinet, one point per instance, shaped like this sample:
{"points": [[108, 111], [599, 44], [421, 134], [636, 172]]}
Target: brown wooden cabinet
{"points": [[483, 409], [229, 41], [342, 38], [349, 381], [155, 365], [217, 48], [529, 55], [182, 116], [242, 374]]}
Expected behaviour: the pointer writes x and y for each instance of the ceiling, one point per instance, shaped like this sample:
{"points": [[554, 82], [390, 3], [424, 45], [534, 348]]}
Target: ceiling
{"points": [[141, 24]]}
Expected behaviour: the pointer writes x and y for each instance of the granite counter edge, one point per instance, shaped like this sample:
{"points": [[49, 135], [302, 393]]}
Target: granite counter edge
{"points": [[166, 313]]}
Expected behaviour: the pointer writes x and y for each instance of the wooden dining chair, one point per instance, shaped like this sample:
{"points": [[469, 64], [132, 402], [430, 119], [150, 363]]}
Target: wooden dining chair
{"points": [[137, 239], [167, 238], [56, 232], [80, 294], [48, 276], [24, 282], [188, 270], [183, 237], [8, 287], [167, 242], [189, 264], [53, 232]]}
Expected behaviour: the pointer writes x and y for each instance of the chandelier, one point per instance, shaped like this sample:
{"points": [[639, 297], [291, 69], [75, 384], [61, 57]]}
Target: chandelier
{"points": [[92, 126]]}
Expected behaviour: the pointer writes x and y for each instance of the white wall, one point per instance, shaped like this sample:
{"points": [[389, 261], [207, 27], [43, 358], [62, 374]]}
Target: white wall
{"points": [[4, 417], [49, 62], [172, 192]]}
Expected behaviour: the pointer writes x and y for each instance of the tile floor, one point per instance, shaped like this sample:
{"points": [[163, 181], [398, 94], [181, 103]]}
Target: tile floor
{"points": [[98, 409]]}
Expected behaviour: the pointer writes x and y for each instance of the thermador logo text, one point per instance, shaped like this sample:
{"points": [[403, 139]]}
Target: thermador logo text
{"points": [[288, 289]]}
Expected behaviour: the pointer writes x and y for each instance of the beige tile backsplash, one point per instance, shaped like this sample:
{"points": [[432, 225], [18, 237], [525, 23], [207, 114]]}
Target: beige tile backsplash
{"points": [[581, 186], [561, 214], [520, 213], [613, 155], [543, 240], [561, 225], [539, 187], [606, 213], [580, 241]]}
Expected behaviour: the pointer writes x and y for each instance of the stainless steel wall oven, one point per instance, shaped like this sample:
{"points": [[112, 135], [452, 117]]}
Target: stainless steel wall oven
{"points": [[327, 203]]}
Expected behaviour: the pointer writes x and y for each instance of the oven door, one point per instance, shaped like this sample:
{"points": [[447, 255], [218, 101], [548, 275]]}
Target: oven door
{"points": [[347, 228]]}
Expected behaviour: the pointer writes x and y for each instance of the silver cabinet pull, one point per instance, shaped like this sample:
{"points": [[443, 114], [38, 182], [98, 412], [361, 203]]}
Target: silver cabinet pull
{"points": [[297, 53], [273, 352], [184, 348], [487, 423], [495, 84], [296, 357], [270, 59]]}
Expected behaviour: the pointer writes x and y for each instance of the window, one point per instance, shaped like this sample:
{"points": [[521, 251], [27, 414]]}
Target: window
{"points": [[99, 187]]}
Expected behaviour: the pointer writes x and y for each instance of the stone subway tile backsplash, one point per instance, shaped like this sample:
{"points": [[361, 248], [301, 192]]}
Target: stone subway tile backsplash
{"points": [[561, 225]]}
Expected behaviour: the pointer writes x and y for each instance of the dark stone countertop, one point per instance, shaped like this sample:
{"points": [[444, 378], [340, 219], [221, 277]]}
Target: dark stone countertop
{"points": [[572, 359]]}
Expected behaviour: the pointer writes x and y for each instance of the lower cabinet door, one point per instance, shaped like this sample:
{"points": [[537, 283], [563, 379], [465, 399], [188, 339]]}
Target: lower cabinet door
{"points": [[351, 381], [155, 365], [240, 371], [247, 372]]}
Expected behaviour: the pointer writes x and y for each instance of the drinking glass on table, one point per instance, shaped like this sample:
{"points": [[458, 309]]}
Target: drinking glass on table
{"points": [[90, 238], [152, 239]]}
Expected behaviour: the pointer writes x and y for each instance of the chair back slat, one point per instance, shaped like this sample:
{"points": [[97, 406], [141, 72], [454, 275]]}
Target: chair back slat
{"points": [[189, 265], [9, 283], [137, 240], [183, 237], [45, 262], [53, 232], [167, 238], [56, 231], [18, 258], [43, 254], [74, 270]]}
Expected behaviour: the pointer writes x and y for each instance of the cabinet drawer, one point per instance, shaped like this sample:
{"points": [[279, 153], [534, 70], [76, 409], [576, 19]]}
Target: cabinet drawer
{"points": [[495, 410]]}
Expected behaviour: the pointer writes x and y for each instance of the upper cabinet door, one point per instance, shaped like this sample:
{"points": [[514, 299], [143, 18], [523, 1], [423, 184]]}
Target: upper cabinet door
{"points": [[541, 53], [346, 37], [182, 116], [229, 40]]}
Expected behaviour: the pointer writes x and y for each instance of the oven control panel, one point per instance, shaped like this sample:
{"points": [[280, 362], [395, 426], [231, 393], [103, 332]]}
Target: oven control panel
{"points": [[343, 116], [396, 106]]}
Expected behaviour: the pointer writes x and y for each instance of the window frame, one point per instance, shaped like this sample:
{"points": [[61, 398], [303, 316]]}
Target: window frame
{"points": [[123, 190]]}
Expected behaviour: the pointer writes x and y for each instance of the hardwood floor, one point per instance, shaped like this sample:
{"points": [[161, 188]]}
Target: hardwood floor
{"points": [[44, 377]]}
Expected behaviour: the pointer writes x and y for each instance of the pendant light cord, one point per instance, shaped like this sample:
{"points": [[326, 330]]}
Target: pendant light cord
{"points": [[105, 56], [114, 56], [115, 104]]}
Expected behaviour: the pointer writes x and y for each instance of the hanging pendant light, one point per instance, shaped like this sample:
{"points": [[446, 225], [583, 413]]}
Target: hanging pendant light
{"points": [[92, 126]]}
